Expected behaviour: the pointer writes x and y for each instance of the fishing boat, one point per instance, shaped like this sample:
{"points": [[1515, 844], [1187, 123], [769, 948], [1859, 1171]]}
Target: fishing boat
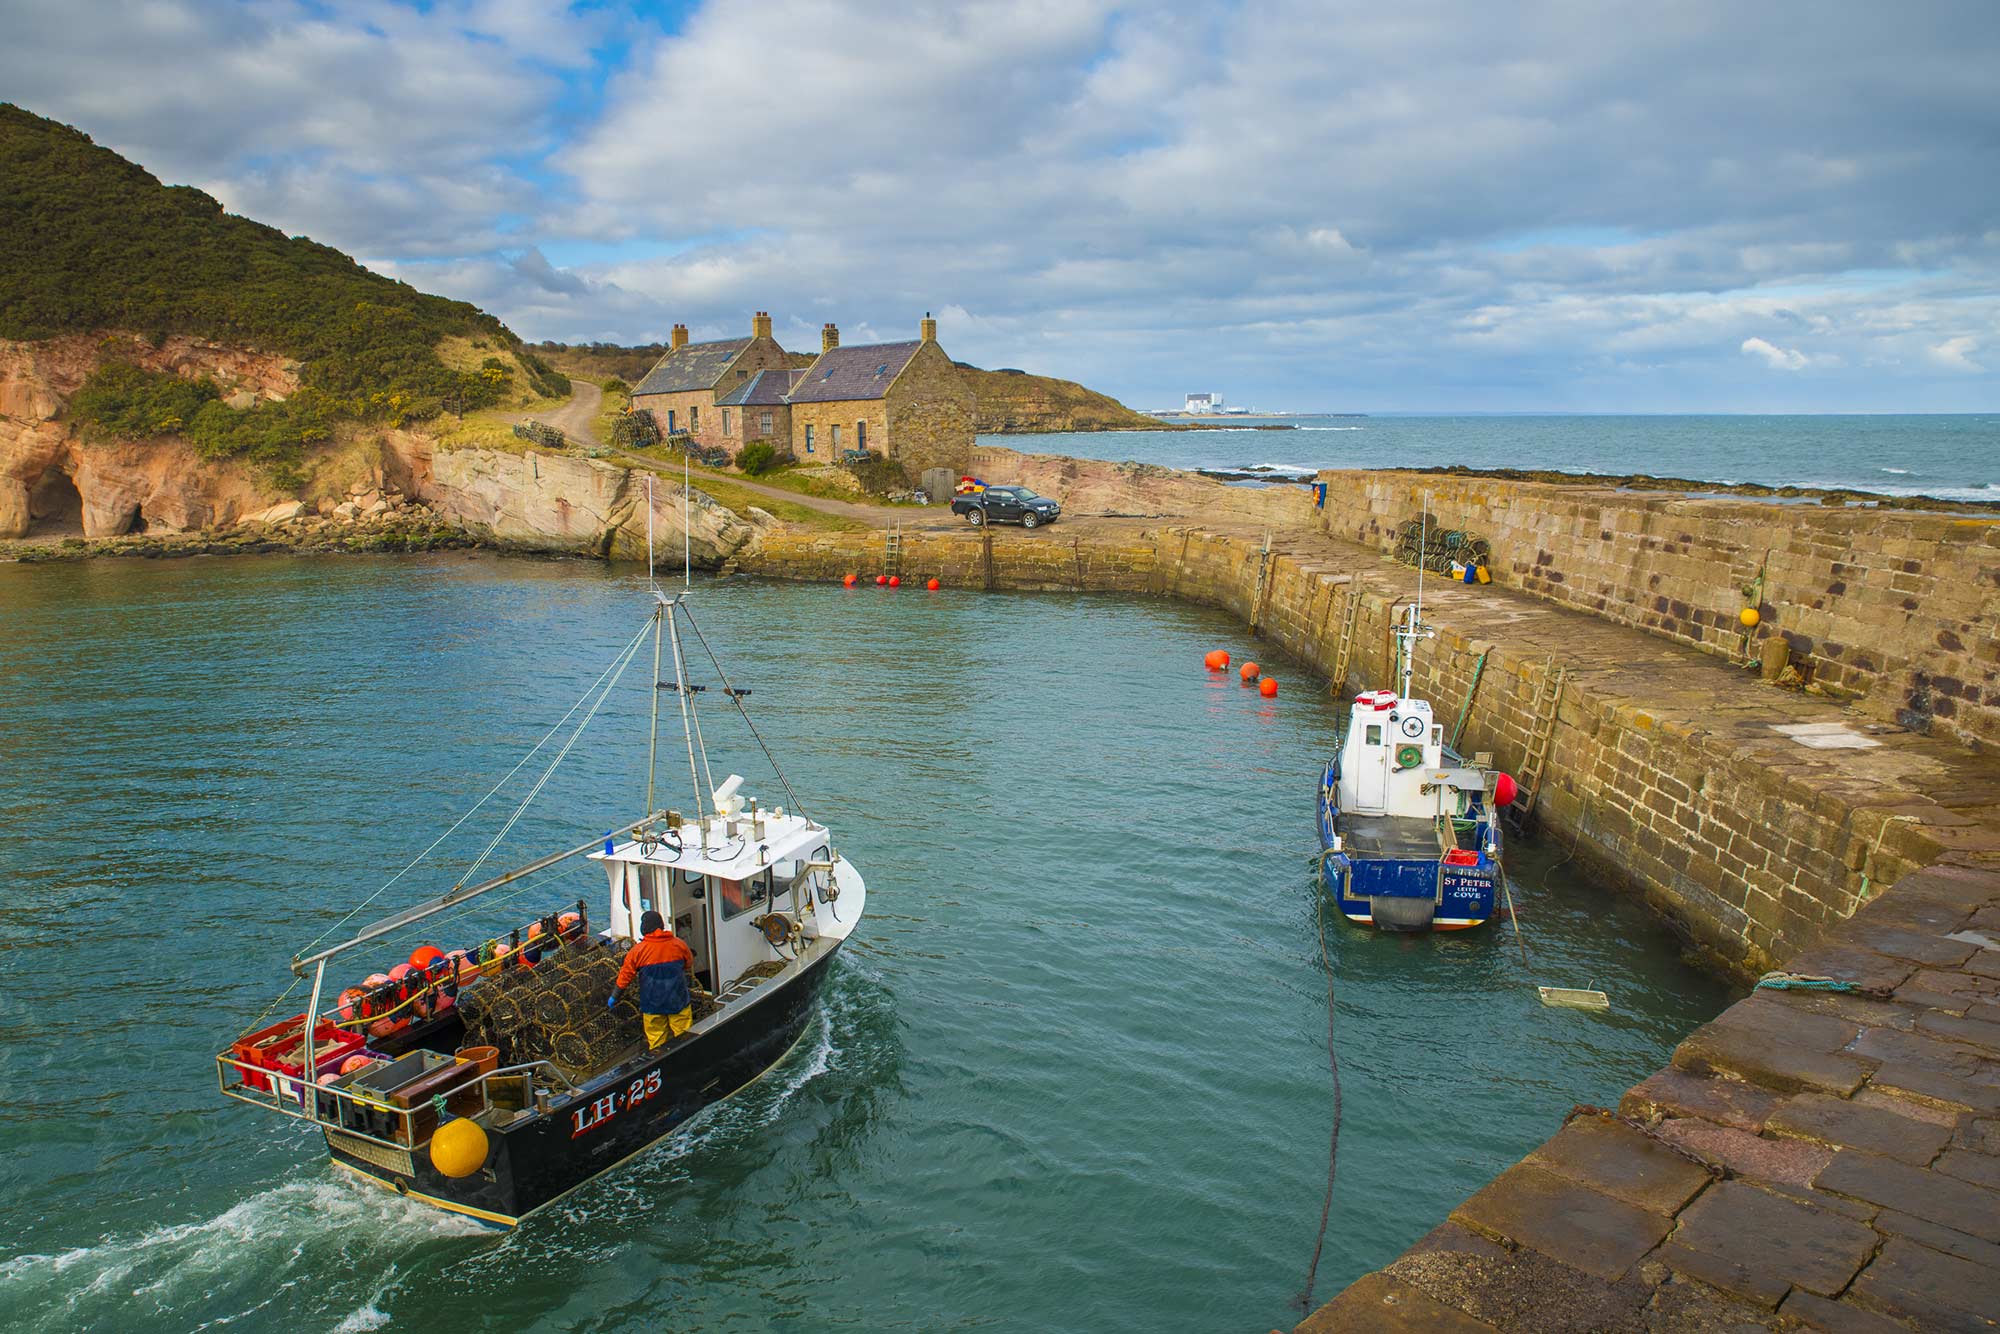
{"points": [[487, 1075], [1408, 828]]}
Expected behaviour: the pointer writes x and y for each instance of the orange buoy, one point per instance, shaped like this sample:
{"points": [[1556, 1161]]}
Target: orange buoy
{"points": [[881, 581], [1268, 688], [353, 1063], [424, 956], [568, 925], [1215, 660], [848, 582], [350, 1000], [933, 585], [1248, 671], [382, 1028], [895, 581]]}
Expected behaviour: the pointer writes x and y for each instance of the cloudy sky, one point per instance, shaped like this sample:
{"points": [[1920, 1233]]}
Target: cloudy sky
{"points": [[1352, 206]]}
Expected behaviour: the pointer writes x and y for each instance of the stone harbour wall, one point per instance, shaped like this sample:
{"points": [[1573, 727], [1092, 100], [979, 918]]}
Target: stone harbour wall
{"points": [[1741, 845], [1897, 607]]}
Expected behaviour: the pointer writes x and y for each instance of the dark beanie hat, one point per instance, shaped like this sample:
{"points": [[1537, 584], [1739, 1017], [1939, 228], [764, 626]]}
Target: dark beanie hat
{"points": [[651, 922]]}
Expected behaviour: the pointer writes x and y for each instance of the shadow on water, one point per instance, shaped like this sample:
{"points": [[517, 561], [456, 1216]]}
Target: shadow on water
{"points": [[1071, 1074]]}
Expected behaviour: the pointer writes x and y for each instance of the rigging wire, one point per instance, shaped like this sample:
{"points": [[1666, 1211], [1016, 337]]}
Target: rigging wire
{"points": [[1333, 1064], [472, 810], [624, 661], [730, 691]]}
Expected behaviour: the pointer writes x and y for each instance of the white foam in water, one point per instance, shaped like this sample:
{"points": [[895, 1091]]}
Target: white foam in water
{"points": [[1900, 472], [247, 1254]]}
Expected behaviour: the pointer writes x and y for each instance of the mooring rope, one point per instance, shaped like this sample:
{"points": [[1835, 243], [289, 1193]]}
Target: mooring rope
{"points": [[1333, 1064]]}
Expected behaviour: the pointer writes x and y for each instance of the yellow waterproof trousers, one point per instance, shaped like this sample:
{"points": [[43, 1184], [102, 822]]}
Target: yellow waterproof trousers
{"points": [[660, 1027]]}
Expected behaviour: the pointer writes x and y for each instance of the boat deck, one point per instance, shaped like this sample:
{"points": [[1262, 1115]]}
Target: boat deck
{"points": [[1399, 836]]}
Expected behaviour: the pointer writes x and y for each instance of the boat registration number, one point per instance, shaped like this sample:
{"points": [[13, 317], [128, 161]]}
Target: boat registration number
{"points": [[589, 1117]]}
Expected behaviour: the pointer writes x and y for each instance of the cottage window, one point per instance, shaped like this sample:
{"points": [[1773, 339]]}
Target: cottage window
{"points": [[694, 417], [670, 421], [725, 421], [809, 439], [861, 435], [764, 422]]}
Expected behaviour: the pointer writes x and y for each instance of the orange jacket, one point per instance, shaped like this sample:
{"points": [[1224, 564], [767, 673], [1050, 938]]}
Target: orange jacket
{"points": [[661, 962]]}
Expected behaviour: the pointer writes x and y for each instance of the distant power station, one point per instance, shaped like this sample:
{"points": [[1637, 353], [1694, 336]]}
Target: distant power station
{"points": [[1203, 403]]}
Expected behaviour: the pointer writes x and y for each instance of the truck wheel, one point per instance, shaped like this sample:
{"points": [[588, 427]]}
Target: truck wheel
{"points": [[1031, 520], [975, 517]]}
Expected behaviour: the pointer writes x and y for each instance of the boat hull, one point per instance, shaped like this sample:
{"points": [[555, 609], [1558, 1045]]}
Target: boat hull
{"points": [[1401, 893], [539, 1159]]}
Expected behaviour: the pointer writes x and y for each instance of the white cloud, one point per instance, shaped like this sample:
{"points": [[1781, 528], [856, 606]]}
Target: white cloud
{"points": [[1956, 353], [1777, 358]]}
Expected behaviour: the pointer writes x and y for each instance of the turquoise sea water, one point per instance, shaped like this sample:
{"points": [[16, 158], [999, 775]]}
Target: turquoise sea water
{"points": [[1949, 457], [1071, 1074]]}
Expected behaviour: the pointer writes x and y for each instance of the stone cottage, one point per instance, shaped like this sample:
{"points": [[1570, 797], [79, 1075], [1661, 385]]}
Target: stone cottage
{"points": [[684, 386], [758, 409], [903, 401]]}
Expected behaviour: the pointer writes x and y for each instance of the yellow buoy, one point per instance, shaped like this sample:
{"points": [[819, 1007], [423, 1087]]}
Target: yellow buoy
{"points": [[1749, 617], [458, 1149]]}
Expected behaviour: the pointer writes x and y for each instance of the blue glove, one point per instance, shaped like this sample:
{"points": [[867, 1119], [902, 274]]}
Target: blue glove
{"points": [[611, 1001]]}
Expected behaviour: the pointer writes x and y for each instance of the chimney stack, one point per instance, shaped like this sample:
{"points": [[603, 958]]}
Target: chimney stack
{"points": [[829, 337], [927, 328], [760, 324], [680, 335]]}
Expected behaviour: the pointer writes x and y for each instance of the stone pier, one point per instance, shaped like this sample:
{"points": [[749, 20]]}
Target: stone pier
{"points": [[1807, 1160]]}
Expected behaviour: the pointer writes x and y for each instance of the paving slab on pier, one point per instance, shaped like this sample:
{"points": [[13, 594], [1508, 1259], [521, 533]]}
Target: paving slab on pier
{"points": [[1809, 1161]]}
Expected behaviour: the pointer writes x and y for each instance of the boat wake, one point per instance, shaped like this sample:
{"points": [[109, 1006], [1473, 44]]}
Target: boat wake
{"points": [[276, 1247]]}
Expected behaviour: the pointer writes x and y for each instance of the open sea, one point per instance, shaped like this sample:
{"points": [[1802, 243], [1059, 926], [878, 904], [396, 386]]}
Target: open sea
{"points": [[1948, 457], [1070, 1075]]}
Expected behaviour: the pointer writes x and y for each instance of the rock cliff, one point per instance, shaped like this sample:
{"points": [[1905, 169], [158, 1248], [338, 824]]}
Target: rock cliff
{"points": [[54, 484]]}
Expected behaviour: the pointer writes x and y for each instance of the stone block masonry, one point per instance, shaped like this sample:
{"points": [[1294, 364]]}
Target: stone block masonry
{"points": [[1896, 608]]}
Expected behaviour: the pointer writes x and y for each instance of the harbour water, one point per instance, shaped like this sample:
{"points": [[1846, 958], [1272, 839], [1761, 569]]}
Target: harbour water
{"points": [[1947, 457], [1072, 1076]]}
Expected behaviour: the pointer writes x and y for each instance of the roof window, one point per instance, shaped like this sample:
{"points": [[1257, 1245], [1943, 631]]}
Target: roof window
{"points": [[883, 369]]}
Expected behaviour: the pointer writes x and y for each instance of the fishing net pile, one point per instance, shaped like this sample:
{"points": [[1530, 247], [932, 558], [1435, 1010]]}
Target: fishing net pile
{"points": [[1436, 549], [555, 1011]]}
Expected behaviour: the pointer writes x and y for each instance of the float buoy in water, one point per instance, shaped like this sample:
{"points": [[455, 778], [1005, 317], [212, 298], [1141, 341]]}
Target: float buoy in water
{"points": [[458, 1149], [881, 581], [1217, 660], [895, 581], [933, 585], [1268, 688], [1505, 789], [1248, 671], [847, 582]]}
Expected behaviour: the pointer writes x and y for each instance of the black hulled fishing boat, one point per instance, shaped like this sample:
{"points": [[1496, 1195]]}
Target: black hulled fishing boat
{"points": [[489, 1076]]}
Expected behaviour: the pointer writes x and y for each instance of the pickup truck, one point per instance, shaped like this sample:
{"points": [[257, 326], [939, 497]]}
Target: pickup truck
{"points": [[1006, 504]]}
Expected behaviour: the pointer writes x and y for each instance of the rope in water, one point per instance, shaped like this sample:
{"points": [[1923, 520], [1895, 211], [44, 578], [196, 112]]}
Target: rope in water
{"points": [[1333, 1064]]}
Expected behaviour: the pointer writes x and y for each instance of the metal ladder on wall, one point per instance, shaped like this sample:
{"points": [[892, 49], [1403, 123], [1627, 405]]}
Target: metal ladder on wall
{"points": [[1548, 703], [1344, 655], [892, 550]]}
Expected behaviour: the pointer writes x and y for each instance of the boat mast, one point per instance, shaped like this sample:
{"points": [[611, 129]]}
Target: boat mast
{"points": [[653, 738], [1408, 636]]}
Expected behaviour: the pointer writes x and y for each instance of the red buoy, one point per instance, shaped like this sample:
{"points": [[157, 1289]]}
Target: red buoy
{"points": [[1248, 671], [881, 581], [895, 581], [932, 585], [1268, 688], [1505, 789], [848, 582]]}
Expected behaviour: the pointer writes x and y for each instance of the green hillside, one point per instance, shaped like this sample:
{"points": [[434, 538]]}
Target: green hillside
{"points": [[89, 241]]}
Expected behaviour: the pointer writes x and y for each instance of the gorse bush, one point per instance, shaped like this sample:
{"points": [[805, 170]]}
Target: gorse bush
{"points": [[90, 241], [759, 456]]}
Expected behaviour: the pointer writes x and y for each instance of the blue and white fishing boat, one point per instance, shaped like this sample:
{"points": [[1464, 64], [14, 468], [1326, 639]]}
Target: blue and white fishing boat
{"points": [[1409, 830]]}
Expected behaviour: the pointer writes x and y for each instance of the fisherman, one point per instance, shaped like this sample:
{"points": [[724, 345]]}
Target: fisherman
{"points": [[660, 961]]}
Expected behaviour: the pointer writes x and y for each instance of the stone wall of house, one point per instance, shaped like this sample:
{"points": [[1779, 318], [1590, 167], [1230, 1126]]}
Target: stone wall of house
{"points": [[1739, 849], [671, 412], [1899, 608], [694, 410], [824, 418], [931, 410], [747, 424]]}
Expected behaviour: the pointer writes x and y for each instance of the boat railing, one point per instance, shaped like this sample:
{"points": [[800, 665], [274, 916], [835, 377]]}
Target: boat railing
{"points": [[353, 1112]]}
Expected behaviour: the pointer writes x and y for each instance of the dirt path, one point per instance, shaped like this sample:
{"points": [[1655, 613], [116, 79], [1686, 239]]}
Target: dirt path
{"points": [[576, 419]]}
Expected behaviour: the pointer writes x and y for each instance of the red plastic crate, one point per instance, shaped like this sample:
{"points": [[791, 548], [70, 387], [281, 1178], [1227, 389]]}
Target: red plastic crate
{"points": [[276, 1048]]}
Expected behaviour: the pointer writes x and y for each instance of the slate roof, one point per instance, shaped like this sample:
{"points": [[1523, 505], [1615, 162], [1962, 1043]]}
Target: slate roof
{"points": [[859, 372], [696, 366], [765, 388]]}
